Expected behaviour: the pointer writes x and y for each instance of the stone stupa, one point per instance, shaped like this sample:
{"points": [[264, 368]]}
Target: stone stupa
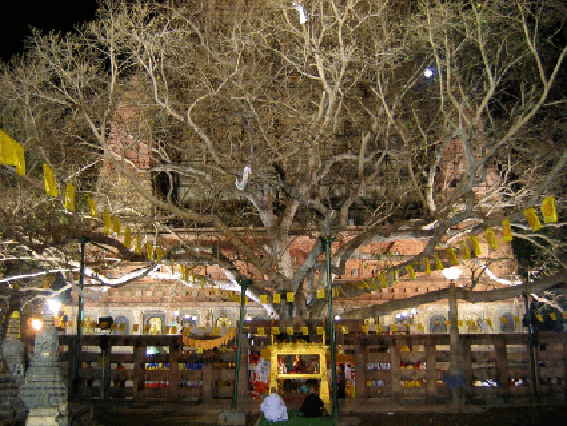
{"points": [[43, 391]]}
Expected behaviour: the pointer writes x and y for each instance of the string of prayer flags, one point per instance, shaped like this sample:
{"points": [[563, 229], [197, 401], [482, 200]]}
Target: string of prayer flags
{"points": [[452, 256], [290, 296], [127, 237], [107, 222], [70, 197], [465, 250], [411, 271], [92, 205], [548, 210], [476, 246], [49, 181], [491, 238], [150, 250], [116, 225], [427, 266], [138, 244], [12, 153], [506, 231], [532, 219], [276, 298], [438, 264]]}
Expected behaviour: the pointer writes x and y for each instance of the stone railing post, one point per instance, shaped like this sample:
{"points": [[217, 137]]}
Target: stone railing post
{"points": [[174, 375], [395, 368], [138, 379], [431, 371]]}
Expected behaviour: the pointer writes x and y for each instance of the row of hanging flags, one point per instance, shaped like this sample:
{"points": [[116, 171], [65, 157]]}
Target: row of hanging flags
{"points": [[12, 154]]}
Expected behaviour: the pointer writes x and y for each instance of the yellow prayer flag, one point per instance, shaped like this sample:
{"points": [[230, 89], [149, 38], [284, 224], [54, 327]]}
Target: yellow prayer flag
{"points": [[447, 323], [564, 315], [127, 238], [419, 327], [532, 218], [321, 293], [539, 317], [186, 331], [491, 238], [167, 329], [12, 153], [365, 329], [49, 181], [504, 320], [135, 328], [70, 197], [116, 225], [427, 266], [275, 330], [107, 222], [113, 326], [264, 298], [465, 250], [277, 298], [344, 329], [460, 323], [517, 319], [150, 250], [378, 328], [138, 244], [290, 296], [305, 331], [506, 231], [411, 271], [383, 280], [452, 256], [260, 331], [216, 331], [146, 329], [489, 322], [122, 327], [438, 264], [368, 383], [290, 331], [476, 246], [394, 328], [548, 210], [202, 283], [320, 331], [552, 316], [159, 254], [92, 206]]}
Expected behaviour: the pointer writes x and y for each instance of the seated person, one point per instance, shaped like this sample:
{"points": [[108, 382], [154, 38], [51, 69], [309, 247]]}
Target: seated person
{"points": [[312, 406], [273, 407]]}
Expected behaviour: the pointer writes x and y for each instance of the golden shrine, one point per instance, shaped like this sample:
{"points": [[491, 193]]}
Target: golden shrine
{"points": [[302, 349]]}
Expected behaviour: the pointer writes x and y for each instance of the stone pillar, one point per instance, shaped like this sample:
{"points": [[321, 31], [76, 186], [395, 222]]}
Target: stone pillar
{"points": [[14, 349], [11, 406], [43, 391]]}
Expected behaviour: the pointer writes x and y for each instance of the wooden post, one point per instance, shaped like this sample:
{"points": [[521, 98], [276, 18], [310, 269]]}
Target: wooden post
{"points": [[72, 353], [431, 371], [395, 368], [467, 367], [360, 364], [138, 380], [174, 375], [105, 353], [502, 366], [207, 379]]}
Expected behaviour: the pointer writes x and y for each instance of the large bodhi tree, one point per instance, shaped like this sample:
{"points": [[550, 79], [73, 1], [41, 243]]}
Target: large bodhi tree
{"points": [[301, 117]]}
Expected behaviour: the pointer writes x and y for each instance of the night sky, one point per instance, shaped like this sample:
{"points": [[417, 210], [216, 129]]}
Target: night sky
{"points": [[54, 14]]}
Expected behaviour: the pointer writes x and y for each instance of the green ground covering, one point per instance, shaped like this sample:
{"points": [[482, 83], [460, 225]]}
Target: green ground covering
{"points": [[296, 420]]}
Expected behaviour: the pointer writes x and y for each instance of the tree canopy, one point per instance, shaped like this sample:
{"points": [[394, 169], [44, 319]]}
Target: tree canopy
{"points": [[430, 119]]}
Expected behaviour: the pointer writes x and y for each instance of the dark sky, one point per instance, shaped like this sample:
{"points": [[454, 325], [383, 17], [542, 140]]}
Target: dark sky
{"points": [[53, 14]]}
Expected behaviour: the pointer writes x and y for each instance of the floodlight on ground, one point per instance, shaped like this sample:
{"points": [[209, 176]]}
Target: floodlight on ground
{"points": [[451, 273], [36, 324], [53, 305], [337, 317], [428, 72]]}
